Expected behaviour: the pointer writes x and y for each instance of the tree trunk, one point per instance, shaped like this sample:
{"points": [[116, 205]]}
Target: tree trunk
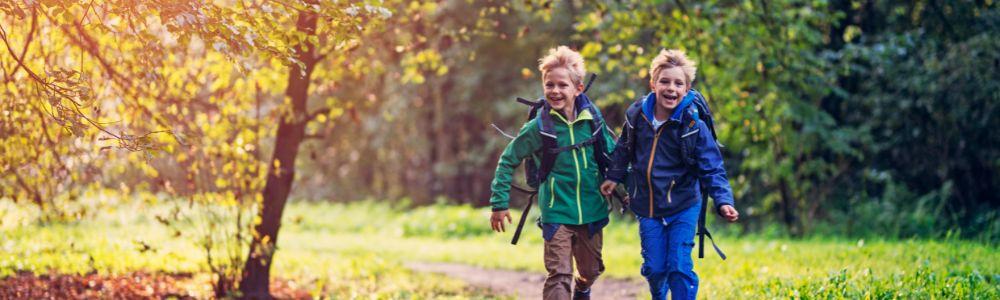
{"points": [[788, 201], [441, 147], [255, 283], [788, 209]]}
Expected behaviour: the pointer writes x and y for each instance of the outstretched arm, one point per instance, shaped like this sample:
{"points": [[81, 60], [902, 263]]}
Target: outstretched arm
{"points": [[527, 141], [712, 174]]}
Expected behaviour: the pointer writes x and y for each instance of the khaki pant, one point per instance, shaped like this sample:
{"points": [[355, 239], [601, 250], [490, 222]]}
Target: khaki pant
{"points": [[569, 242]]}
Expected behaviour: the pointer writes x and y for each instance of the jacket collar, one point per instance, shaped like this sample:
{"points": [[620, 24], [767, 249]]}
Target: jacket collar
{"points": [[580, 115], [582, 104]]}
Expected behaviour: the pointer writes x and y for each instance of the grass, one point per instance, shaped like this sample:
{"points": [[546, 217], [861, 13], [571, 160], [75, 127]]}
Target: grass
{"points": [[116, 240], [358, 251]]}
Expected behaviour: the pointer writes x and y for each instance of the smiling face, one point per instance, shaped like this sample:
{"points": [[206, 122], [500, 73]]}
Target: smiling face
{"points": [[670, 86], [560, 90]]}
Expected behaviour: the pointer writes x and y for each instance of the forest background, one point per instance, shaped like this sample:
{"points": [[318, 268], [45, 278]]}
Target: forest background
{"points": [[841, 119]]}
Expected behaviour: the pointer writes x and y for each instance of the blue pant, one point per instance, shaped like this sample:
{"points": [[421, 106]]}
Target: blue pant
{"points": [[666, 253]]}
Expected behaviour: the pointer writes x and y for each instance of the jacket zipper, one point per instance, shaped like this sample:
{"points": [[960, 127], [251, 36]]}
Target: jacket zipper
{"points": [[649, 169], [576, 164]]}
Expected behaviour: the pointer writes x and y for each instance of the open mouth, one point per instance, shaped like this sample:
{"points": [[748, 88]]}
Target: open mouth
{"points": [[670, 97]]}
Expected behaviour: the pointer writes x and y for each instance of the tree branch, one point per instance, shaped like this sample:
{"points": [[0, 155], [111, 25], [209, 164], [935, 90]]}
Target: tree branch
{"points": [[27, 41], [86, 42], [315, 114], [37, 198]]}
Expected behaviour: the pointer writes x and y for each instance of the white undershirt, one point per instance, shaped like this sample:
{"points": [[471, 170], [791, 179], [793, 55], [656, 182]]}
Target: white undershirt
{"points": [[657, 123]]}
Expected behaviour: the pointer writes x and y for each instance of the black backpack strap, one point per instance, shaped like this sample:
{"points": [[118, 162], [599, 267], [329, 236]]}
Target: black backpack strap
{"points": [[632, 115], [688, 142], [703, 231], [597, 123], [536, 165], [524, 216], [589, 82], [532, 171], [705, 114], [599, 127], [547, 157], [588, 142], [701, 111], [536, 103], [536, 106]]}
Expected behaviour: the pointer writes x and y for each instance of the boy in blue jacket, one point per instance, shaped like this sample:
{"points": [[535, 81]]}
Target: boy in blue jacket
{"points": [[673, 153]]}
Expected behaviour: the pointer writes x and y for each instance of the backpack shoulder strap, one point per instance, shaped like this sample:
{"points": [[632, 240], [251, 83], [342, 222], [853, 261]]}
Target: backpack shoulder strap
{"points": [[545, 125], [705, 114], [700, 111], [547, 155], [597, 120], [633, 113]]}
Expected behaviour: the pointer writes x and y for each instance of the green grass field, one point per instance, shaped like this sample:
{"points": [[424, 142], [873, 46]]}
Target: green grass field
{"points": [[358, 251]]}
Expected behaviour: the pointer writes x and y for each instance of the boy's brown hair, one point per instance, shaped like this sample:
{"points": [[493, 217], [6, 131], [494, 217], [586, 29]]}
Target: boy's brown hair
{"points": [[669, 59], [565, 57]]}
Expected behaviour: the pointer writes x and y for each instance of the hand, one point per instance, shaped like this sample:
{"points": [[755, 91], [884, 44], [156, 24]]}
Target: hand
{"points": [[729, 213], [496, 220], [608, 187]]}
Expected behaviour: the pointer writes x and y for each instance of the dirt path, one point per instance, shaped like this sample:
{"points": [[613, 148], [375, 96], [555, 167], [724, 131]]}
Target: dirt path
{"points": [[525, 285]]}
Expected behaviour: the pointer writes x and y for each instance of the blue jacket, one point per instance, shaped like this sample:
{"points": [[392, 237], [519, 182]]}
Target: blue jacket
{"points": [[669, 164]]}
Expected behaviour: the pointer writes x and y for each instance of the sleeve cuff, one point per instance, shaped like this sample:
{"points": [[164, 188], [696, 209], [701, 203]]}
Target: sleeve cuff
{"points": [[496, 208]]}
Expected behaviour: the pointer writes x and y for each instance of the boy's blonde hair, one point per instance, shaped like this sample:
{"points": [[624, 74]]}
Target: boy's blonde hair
{"points": [[563, 56], [669, 59]]}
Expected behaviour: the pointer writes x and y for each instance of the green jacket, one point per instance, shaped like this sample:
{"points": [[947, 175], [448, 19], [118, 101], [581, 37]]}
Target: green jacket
{"points": [[571, 194]]}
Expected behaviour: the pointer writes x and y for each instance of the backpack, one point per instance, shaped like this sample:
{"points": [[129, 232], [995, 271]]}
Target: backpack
{"points": [[538, 166], [699, 111]]}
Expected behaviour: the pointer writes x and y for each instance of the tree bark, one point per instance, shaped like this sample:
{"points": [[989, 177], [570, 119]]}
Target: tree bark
{"points": [[789, 209], [255, 282]]}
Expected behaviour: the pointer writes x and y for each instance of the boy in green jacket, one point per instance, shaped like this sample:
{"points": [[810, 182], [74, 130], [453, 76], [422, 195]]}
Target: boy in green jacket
{"points": [[573, 209]]}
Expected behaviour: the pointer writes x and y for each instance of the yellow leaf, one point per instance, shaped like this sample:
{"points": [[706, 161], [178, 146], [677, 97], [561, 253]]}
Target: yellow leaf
{"points": [[526, 73]]}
